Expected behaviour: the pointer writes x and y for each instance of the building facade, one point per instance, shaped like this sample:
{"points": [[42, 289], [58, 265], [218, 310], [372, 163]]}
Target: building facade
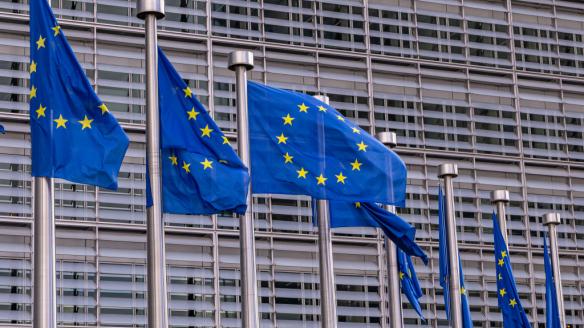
{"points": [[492, 85]]}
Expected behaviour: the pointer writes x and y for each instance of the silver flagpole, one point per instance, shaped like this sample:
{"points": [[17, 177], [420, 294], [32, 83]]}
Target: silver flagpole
{"points": [[150, 11], [501, 198], [552, 220], [240, 62], [447, 172], [45, 290], [328, 299], [389, 139]]}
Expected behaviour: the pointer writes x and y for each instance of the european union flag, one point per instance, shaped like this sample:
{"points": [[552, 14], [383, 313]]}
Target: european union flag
{"points": [[301, 146], [552, 312], [201, 173], [444, 264], [513, 314], [2, 129], [410, 285], [74, 136], [357, 214]]}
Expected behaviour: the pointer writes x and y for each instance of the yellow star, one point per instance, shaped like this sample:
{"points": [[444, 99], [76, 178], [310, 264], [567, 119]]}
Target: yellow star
{"points": [[173, 159], [282, 138], [33, 91], [206, 132], [500, 277], [502, 292], [357, 204], [225, 140], [288, 119], [103, 108], [207, 164], [503, 254], [61, 122], [41, 111], [362, 146], [193, 114], [188, 92], [357, 131], [401, 275], [186, 166], [462, 290], [85, 123], [40, 42], [356, 165], [302, 173], [340, 118], [512, 303], [288, 158], [501, 262], [303, 108], [33, 67], [320, 180], [341, 178], [56, 29], [322, 109]]}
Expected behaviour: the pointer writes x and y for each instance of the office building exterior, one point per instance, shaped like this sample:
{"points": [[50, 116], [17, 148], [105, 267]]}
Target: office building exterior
{"points": [[492, 85]]}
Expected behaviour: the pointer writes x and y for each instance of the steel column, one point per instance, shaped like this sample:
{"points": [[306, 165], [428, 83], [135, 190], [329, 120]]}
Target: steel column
{"points": [[240, 62], [150, 11], [44, 271], [447, 172], [551, 220]]}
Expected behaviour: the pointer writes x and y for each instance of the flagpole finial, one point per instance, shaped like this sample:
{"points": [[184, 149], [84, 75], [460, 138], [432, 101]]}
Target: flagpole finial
{"points": [[551, 218], [239, 58], [447, 169], [387, 138], [500, 196], [145, 7]]}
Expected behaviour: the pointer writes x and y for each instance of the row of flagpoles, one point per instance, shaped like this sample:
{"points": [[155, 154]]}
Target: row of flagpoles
{"points": [[398, 241]]}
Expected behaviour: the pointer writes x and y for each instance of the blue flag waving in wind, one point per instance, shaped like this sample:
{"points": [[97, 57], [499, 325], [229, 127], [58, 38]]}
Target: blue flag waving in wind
{"points": [[552, 312], [513, 314], [301, 146], [410, 285], [444, 252], [74, 137], [201, 173], [357, 214]]}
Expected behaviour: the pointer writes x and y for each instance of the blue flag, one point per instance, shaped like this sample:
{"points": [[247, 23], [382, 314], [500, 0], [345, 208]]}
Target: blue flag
{"points": [[444, 265], [513, 314], [301, 146], [357, 214], [2, 129], [552, 312], [410, 285], [74, 136], [201, 173]]}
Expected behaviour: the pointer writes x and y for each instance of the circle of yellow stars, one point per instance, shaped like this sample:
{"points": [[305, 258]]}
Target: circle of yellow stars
{"points": [[503, 291], [60, 122], [302, 173]]}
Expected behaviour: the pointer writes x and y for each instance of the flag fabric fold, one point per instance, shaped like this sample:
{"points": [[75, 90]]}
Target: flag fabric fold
{"points": [[302, 146], [410, 286], [73, 135], [444, 265], [358, 214], [514, 315], [552, 312], [201, 173]]}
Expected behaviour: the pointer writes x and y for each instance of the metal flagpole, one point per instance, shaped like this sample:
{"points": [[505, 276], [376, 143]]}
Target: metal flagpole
{"points": [[45, 290], [552, 220], [150, 11], [501, 198], [328, 299], [240, 62], [447, 172], [389, 139]]}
